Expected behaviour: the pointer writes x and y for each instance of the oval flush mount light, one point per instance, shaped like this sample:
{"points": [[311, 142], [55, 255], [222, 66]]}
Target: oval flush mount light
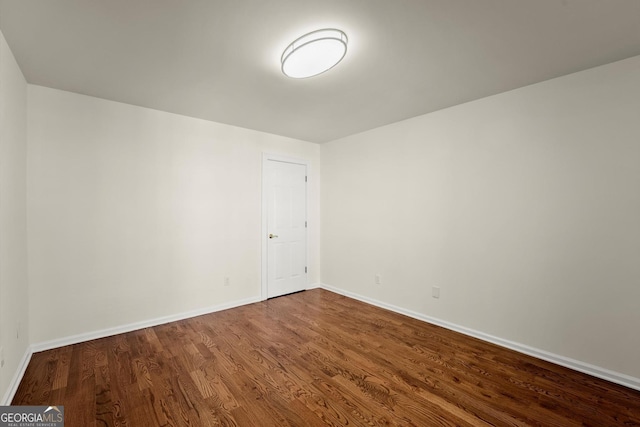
{"points": [[314, 53]]}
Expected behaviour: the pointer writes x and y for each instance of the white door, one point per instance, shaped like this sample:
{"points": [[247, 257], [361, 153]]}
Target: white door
{"points": [[286, 194]]}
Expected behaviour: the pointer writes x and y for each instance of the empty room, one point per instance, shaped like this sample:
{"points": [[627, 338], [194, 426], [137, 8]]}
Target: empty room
{"points": [[320, 213]]}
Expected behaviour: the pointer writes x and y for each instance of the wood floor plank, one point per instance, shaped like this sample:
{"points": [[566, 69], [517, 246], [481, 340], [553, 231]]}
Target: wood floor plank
{"points": [[314, 359]]}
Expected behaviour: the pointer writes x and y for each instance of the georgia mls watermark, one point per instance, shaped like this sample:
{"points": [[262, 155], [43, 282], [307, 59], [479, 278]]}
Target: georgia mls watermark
{"points": [[31, 416]]}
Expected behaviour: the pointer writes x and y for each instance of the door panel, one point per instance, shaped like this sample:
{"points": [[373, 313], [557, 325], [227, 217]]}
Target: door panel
{"points": [[286, 226]]}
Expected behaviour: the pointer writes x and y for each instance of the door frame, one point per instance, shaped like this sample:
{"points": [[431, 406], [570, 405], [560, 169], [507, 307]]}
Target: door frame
{"points": [[266, 157]]}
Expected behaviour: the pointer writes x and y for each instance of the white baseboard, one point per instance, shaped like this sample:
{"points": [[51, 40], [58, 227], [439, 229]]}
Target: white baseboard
{"points": [[615, 377], [17, 377], [74, 339], [586, 368]]}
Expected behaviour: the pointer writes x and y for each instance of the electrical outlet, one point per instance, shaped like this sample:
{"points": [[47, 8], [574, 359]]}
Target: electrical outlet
{"points": [[377, 279], [226, 280], [435, 292]]}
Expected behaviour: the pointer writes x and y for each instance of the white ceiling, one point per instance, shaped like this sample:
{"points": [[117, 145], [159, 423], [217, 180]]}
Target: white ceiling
{"points": [[220, 59]]}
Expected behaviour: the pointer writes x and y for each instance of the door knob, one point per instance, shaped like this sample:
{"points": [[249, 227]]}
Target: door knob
{"points": [[273, 236]]}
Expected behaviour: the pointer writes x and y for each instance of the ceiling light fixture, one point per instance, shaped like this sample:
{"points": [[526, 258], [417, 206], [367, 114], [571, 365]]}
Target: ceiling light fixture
{"points": [[314, 53]]}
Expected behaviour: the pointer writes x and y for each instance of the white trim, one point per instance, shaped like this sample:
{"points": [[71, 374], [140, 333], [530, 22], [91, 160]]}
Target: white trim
{"points": [[74, 339], [17, 377], [576, 365], [606, 374], [264, 263]]}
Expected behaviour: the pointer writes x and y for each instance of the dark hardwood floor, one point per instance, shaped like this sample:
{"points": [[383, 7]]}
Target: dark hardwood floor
{"points": [[313, 359]]}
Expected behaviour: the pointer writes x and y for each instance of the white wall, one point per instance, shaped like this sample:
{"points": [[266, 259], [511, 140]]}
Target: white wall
{"points": [[524, 208], [136, 214], [13, 232]]}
